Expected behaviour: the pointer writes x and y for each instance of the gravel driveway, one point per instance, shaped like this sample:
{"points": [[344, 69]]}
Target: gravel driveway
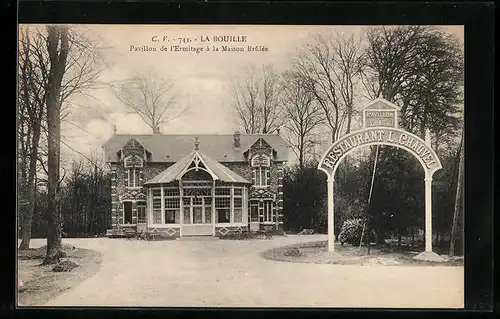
{"points": [[220, 273]]}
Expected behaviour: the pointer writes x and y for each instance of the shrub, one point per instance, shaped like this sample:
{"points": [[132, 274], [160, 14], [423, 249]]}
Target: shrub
{"points": [[306, 232], [351, 232], [293, 252], [238, 235], [66, 266]]}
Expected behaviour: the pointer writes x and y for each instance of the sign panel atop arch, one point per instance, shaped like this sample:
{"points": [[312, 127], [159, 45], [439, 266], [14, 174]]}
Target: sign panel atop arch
{"points": [[380, 112]]}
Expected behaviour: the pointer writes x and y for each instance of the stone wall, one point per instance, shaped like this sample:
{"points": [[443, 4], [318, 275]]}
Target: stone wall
{"points": [[230, 230], [165, 232], [119, 188]]}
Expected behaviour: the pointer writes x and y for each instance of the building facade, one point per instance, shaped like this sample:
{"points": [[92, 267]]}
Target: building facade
{"points": [[206, 185]]}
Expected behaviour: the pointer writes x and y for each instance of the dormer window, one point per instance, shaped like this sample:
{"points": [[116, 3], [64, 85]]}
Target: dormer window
{"points": [[133, 177], [133, 161], [261, 173], [133, 165], [261, 160]]}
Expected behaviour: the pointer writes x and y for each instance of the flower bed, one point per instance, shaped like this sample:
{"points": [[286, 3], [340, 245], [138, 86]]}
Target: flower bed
{"points": [[317, 252]]}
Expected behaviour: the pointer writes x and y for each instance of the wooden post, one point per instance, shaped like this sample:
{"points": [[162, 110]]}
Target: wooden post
{"points": [[162, 216], [213, 208], [458, 209], [181, 208]]}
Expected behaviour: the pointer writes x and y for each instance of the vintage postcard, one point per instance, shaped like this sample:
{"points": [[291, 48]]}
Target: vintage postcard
{"points": [[240, 166]]}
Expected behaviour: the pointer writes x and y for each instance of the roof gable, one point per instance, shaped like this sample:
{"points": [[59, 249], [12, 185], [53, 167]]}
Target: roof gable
{"points": [[197, 160], [381, 104]]}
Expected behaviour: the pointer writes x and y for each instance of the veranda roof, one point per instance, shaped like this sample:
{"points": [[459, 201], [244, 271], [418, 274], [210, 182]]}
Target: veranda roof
{"points": [[216, 169]]}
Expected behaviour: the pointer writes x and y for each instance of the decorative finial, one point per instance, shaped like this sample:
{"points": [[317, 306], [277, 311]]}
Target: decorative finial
{"points": [[428, 136], [114, 129], [196, 143]]}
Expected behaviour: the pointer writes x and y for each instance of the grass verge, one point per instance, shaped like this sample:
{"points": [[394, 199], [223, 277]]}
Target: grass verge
{"points": [[41, 283]]}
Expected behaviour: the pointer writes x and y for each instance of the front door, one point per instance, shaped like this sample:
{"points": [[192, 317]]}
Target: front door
{"points": [[197, 216], [253, 217], [127, 212]]}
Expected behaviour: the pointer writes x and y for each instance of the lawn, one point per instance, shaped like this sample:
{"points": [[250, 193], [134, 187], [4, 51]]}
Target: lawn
{"points": [[316, 252], [41, 283]]}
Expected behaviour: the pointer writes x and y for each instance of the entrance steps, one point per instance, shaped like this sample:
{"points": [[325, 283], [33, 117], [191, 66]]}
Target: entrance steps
{"points": [[198, 238]]}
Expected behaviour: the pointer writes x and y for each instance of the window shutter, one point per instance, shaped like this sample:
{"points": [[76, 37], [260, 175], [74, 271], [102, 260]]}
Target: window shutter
{"points": [[255, 160], [268, 177], [266, 161], [126, 173]]}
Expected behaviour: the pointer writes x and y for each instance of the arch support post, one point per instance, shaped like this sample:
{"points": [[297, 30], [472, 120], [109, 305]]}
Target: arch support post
{"points": [[428, 254], [428, 214], [331, 216]]}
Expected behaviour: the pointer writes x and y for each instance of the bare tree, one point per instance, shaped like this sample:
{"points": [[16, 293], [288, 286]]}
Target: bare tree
{"points": [[331, 69], [152, 97], [58, 49], [303, 115], [55, 64], [255, 100], [31, 110]]}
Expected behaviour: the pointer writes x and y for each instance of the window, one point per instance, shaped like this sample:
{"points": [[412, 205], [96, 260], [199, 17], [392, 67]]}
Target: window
{"points": [[223, 192], [171, 192], [223, 204], [186, 201], [261, 160], [133, 177], [266, 212], [261, 173], [141, 212], [261, 176], [254, 212], [208, 210], [172, 205], [133, 161], [156, 206], [238, 205]]}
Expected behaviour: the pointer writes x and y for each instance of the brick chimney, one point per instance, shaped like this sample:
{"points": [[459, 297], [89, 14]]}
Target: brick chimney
{"points": [[236, 137]]}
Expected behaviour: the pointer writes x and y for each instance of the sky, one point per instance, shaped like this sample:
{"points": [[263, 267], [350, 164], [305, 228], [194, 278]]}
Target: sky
{"points": [[201, 79]]}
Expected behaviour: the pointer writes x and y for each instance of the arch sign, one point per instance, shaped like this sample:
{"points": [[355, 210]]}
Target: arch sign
{"points": [[380, 127]]}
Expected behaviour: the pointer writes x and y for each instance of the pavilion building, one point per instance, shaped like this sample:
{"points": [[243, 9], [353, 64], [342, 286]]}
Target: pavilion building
{"points": [[206, 185]]}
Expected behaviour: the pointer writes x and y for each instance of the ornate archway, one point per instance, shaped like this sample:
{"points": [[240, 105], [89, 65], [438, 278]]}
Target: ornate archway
{"points": [[380, 128]]}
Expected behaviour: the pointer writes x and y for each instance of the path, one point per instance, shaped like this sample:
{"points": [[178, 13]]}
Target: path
{"points": [[230, 273]]}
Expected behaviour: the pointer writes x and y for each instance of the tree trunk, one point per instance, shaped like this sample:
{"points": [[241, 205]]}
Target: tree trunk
{"points": [[34, 122], [31, 185], [57, 44], [368, 230], [380, 237], [349, 118], [412, 237], [458, 199]]}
